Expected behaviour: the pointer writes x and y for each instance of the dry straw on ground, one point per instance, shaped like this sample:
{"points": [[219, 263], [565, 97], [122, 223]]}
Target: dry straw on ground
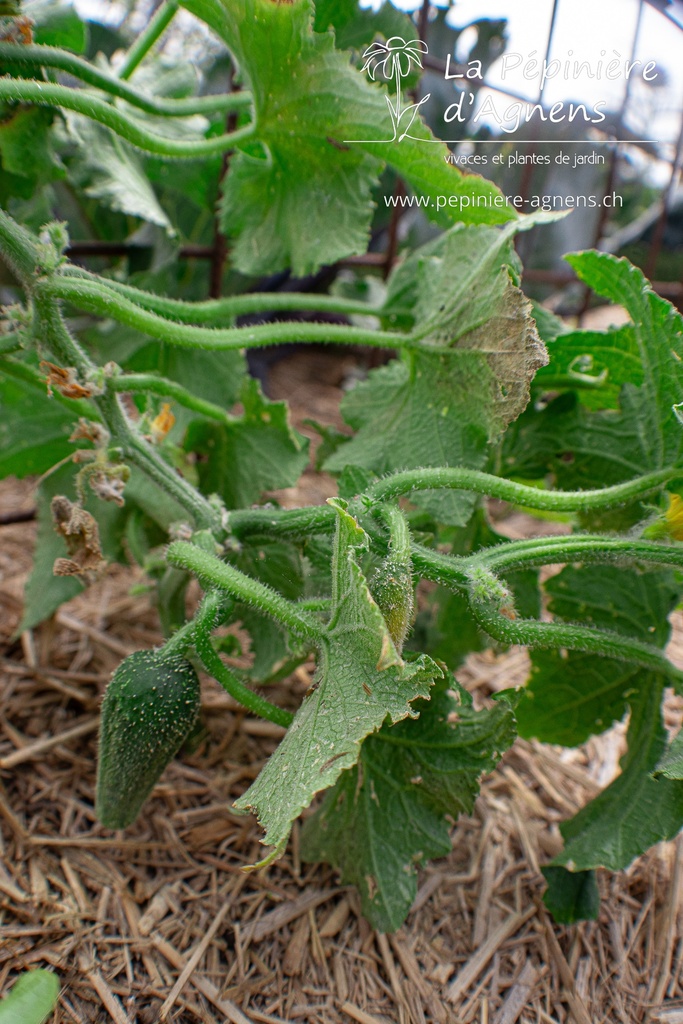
{"points": [[160, 922]]}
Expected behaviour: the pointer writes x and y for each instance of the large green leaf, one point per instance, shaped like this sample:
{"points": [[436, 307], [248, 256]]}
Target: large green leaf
{"points": [[443, 407], [411, 413], [581, 437], [215, 376], [278, 565], [572, 695], [34, 430], [355, 26], [671, 763], [635, 811], [361, 681], [571, 896], [105, 167], [658, 330], [598, 363], [27, 159], [257, 452], [57, 24], [299, 194], [385, 817], [576, 445]]}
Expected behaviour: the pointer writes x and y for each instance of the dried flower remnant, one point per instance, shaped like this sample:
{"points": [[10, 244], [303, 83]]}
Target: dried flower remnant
{"points": [[108, 482], [82, 536], [107, 477], [64, 380], [87, 430], [19, 29]]}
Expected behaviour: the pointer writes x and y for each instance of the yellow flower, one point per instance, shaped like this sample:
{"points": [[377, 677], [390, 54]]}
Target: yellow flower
{"points": [[674, 517], [161, 424]]}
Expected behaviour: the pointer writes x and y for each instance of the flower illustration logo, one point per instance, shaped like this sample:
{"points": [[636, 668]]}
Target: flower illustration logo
{"points": [[395, 60]]}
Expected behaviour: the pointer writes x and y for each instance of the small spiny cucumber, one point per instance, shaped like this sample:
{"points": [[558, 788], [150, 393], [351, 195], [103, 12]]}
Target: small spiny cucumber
{"points": [[149, 707], [392, 589]]}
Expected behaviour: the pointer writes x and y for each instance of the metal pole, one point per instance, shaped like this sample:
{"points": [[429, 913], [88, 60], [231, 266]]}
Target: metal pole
{"points": [[610, 181], [658, 235]]}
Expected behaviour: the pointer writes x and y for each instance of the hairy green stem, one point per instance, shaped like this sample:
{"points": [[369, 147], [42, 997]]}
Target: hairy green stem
{"points": [[93, 298], [214, 573], [11, 342], [446, 570], [242, 694], [530, 633], [399, 533], [36, 56], [50, 95], [294, 524], [580, 381], [218, 311], [197, 633], [450, 570], [315, 604], [211, 613], [19, 249], [579, 548], [454, 571], [51, 328], [23, 256], [157, 25], [149, 383], [135, 449], [519, 494]]}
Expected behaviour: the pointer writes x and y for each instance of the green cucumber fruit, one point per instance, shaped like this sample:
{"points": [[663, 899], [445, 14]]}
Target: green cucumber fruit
{"points": [[149, 707], [392, 588]]}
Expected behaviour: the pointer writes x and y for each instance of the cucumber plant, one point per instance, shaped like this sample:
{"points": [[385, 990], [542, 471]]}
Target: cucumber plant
{"points": [[127, 392]]}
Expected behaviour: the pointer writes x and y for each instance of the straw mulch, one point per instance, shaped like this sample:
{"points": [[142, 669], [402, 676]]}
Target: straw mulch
{"points": [[161, 923]]}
